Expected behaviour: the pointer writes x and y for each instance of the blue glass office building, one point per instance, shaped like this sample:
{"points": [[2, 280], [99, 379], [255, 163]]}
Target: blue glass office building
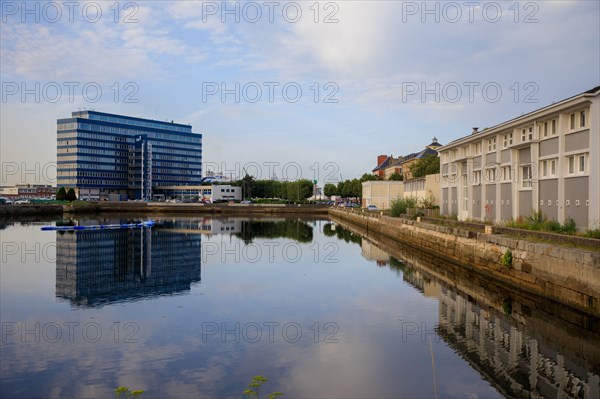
{"points": [[106, 156]]}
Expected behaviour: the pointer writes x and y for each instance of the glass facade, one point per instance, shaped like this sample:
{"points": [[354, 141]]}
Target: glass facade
{"points": [[95, 267], [102, 154]]}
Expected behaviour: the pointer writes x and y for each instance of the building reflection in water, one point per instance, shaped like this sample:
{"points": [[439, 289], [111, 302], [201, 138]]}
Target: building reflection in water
{"points": [[523, 364], [96, 267], [520, 349]]}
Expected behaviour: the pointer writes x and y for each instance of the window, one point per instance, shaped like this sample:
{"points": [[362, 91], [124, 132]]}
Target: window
{"points": [[492, 144], [465, 193], [530, 133], [506, 173], [571, 163], [490, 175], [545, 129], [572, 122], [548, 168], [523, 135], [508, 140], [544, 168], [477, 148], [581, 168], [526, 176], [553, 126], [582, 119], [477, 177]]}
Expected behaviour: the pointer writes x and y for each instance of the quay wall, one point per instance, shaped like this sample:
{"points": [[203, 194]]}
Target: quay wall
{"points": [[567, 275]]}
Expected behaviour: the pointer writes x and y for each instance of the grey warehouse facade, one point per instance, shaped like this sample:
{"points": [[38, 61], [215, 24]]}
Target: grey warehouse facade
{"points": [[107, 156], [547, 160]]}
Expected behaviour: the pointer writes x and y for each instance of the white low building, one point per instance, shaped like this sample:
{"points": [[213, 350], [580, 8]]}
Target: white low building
{"points": [[381, 193], [424, 188], [221, 193]]}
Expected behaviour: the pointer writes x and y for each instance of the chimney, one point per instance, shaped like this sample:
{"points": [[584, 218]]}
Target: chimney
{"points": [[381, 159], [475, 130]]}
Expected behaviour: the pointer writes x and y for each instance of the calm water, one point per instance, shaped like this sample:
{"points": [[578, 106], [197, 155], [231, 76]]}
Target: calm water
{"points": [[196, 307]]}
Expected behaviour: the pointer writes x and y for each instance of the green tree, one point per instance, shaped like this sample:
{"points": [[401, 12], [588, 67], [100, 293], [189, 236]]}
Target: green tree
{"points": [[368, 177], [396, 176], [71, 196], [330, 189], [247, 184], [427, 165], [61, 194]]}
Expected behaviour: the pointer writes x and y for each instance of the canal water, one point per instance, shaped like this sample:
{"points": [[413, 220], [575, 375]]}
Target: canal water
{"points": [[196, 307]]}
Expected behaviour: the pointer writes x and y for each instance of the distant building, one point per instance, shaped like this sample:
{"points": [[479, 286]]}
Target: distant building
{"points": [[225, 193], [383, 162], [28, 191], [547, 160], [411, 159], [381, 193], [424, 188], [106, 156], [388, 165], [214, 193]]}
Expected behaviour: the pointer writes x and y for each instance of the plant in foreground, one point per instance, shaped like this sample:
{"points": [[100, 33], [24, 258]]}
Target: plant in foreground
{"points": [[254, 388], [127, 392], [507, 258]]}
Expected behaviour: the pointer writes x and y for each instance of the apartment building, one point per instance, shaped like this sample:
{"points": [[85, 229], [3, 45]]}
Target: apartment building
{"points": [[547, 160]]}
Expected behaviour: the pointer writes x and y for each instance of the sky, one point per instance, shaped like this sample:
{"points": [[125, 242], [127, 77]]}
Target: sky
{"points": [[311, 89]]}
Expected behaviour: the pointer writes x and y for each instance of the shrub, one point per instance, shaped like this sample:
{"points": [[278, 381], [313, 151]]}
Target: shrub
{"points": [[411, 202], [593, 233], [551, 225], [398, 207], [535, 220], [61, 194], [507, 259], [569, 227], [539, 222], [427, 203], [71, 196]]}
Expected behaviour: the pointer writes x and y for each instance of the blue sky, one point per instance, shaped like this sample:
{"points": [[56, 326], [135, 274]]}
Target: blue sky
{"points": [[373, 58]]}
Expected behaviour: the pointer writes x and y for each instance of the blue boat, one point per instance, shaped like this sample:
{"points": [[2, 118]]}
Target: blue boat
{"points": [[147, 223]]}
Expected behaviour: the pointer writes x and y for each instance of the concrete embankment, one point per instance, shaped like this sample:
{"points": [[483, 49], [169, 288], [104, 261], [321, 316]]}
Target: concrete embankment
{"points": [[567, 275], [13, 211]]}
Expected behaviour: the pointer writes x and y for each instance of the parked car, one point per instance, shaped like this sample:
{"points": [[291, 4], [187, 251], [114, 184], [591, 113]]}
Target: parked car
{"points": [[371, 208]]}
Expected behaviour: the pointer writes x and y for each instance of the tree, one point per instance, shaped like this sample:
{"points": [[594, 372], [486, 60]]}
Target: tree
{"points": [[368, 177], [427, 165], [330, 189], [61, 194], [247, 184], [396, 177], [71, 196]]}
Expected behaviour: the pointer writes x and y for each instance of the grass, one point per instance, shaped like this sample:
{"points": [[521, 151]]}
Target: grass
{"points": [[539, 222], [592, 233]]}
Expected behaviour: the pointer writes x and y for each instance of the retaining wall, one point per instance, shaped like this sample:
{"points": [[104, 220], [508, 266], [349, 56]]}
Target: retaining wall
{"points": [[568, 275]]}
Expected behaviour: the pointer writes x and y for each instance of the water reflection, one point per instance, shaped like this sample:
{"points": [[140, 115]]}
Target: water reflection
{"points": [[410, 324], [94, 267], [101, 266], [510, 339]]}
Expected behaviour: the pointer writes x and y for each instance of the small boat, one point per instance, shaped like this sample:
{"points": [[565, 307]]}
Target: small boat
{"points": [[147, 223]]}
